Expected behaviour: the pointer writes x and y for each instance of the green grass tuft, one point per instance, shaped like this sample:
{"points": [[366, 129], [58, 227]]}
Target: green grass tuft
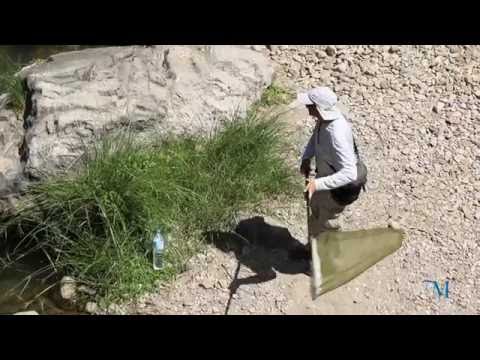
{"points": [[11, 84], [276, 95], [97, 224]]}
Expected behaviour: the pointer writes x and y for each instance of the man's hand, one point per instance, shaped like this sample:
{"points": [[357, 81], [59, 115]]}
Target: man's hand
{"points": [[305, 167], [310, 187]]}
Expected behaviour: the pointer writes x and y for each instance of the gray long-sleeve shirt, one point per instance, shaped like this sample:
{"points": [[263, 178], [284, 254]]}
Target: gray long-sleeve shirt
{"points": [[332, 144]]}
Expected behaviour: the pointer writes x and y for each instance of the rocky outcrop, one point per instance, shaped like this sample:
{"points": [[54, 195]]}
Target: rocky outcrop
{"points": [[11, 136], [74, 97]]}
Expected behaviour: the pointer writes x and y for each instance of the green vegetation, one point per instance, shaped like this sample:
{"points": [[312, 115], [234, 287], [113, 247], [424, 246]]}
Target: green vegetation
{"points": [[276, 95], [11, 84], [97, 224]]}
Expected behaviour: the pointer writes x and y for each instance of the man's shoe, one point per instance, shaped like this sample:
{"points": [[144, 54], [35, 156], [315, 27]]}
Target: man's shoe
{"points": [[333, 225]]}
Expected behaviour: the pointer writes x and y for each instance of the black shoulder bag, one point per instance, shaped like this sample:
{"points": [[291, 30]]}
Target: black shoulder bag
{"points": [[348, 194]]}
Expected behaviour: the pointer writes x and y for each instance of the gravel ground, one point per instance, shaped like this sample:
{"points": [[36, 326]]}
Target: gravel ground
{"points": [[416, 117]]}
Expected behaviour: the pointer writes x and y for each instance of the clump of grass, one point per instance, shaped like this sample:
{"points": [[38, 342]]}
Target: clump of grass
{"points": [[11, 84], [276, 95], [97, 224]]}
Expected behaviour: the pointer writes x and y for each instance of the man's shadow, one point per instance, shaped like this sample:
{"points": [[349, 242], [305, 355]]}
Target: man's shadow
{"points": [[261, 247]]}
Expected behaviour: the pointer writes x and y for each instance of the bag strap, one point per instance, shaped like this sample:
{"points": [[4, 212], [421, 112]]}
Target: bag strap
{"points": [[355, 147], [357, 153]]}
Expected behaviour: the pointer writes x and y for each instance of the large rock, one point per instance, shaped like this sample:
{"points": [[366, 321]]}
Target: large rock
{"points": [[75, 96]]}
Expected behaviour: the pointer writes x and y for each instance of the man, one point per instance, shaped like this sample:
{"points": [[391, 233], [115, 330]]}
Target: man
{"points": [[339, 177]]}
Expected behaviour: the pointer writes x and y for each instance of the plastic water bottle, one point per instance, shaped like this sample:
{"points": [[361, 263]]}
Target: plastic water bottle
{"points": [[159, 243]]}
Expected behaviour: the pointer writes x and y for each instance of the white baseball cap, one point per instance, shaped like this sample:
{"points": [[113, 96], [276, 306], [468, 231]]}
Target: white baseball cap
{"points": [[324, 99]]}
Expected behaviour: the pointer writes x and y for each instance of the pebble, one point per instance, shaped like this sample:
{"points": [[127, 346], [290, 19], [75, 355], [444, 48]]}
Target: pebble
{"points": [[320, 54], [91, 307], [437, 108], [394, 49], [86, 290], [68, 288], [330, 50], [342, 67]]}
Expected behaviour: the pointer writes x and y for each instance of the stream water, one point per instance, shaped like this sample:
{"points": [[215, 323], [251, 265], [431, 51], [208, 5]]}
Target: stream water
{"points": [[29, 285]]}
